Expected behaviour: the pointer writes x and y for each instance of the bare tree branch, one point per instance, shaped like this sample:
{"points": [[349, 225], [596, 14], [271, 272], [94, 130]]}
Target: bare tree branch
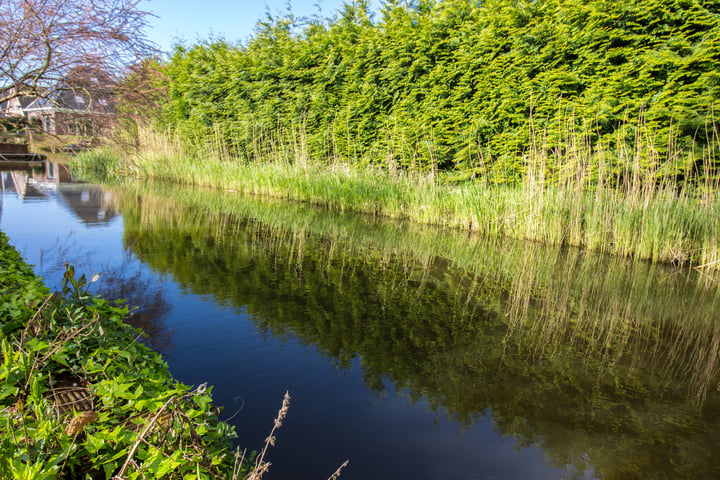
{"points": [[42, 40]]}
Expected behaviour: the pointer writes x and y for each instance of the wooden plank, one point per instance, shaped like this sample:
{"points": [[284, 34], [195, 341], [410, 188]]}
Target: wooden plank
{"points": [[20, 164], [20, 157], [14, 148]]}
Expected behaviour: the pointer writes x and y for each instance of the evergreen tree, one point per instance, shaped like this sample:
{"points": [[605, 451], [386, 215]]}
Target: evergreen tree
{"points": [[457, 85]]}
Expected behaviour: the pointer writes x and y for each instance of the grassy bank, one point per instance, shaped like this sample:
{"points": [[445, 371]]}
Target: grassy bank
{"points": [[586, 202], [80, 397]]}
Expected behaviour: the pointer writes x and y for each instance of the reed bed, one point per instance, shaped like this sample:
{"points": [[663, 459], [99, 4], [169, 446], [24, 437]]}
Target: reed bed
{"points": [[582, 204]]}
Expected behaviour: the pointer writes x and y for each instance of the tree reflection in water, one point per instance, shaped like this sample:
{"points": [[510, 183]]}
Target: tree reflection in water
{"points": [[124, 281], [148, 306], [607, 364]]}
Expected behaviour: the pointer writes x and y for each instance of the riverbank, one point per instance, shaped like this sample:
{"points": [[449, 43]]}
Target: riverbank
{"points": [[81, 397], [640, 218]]}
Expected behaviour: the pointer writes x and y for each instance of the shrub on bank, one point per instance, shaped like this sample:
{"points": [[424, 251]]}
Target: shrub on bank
{"points": [[80, 397], [456, 85]]}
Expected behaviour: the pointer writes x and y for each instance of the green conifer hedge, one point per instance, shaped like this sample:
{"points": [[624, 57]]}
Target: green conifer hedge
{"points": [[460, 84]]}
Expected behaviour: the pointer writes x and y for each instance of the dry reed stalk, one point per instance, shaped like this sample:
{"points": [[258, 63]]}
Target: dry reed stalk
{"points": [[261, 466], [33, 326], [239, 460], [715, 264], [145, 431], [337, 472], [57, 344]]}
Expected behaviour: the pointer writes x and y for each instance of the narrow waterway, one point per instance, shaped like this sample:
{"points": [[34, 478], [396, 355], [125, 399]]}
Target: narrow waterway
{"points": [[412, 353]]}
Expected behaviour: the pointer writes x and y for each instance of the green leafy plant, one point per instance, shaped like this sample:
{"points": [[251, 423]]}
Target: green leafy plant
{"points": [[79, 395]]}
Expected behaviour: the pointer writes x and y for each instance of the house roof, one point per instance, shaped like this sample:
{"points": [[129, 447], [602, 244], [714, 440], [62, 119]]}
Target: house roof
{"points": [[83, 90], [39, 104], [25, 101], [73, 100], [22, 101]]}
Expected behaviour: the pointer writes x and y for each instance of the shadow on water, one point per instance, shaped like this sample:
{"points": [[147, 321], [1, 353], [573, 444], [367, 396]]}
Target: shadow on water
{"points": [[606, 364]]}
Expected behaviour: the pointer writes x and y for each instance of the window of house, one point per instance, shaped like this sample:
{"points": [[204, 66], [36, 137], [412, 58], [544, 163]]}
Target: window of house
{"points": [[47, 124], [79, 99], [103, 102]]}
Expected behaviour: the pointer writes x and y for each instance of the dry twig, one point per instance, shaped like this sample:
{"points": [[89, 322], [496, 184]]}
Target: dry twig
{"points": [[336, 475], [261, 466]]}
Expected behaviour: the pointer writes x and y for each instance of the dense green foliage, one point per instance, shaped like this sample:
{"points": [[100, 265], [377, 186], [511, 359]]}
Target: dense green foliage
{"points": [[606, 364], [80, 396], [463, 85], [588, 124]]}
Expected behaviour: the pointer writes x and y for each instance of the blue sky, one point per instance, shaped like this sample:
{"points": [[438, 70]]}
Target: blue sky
{"points": [[191, 20]]}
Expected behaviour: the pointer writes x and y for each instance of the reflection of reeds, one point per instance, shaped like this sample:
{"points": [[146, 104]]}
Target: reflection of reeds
{"points": [[695, 355], [668, 336], [653, 324]]}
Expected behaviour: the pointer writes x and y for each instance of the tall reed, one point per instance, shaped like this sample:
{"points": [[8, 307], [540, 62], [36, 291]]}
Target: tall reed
{"points": [[614, 199]]}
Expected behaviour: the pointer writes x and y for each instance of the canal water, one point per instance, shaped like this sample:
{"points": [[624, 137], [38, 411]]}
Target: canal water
{"points": [[410, 352]]}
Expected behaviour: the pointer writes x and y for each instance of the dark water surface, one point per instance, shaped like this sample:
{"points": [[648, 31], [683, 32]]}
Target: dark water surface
{"points": [[411, 353]]}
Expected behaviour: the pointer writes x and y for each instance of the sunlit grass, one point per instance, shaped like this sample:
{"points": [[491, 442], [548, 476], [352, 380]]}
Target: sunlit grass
{"points": [[641, 218]]}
